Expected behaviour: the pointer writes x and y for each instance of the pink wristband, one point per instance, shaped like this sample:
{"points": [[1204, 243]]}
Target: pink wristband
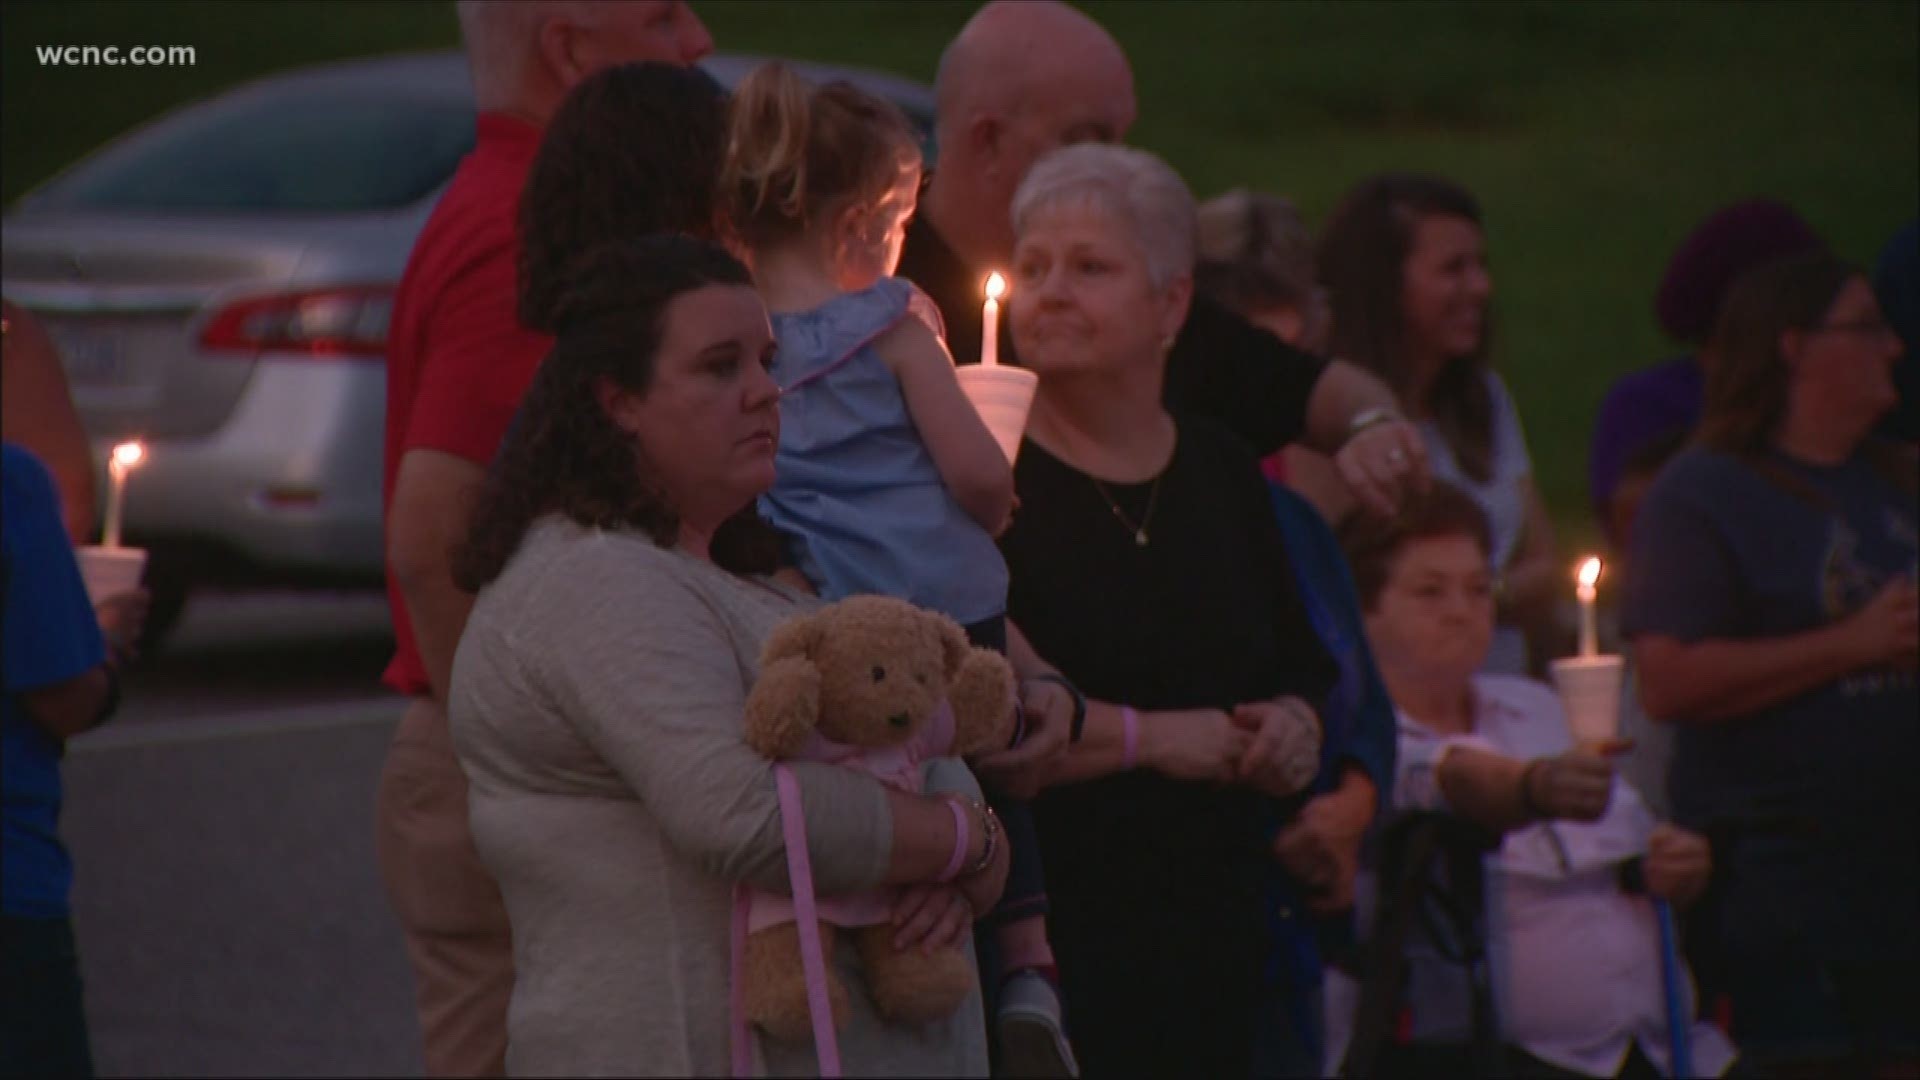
{"points": [[1129, 736], [961, 834]]}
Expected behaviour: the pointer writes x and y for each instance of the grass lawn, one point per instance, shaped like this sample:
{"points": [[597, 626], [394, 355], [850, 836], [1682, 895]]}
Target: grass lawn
{"points": [[1594, 133]]}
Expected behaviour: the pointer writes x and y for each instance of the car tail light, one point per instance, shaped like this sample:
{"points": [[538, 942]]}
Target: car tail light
{"points": [[340, 322]]}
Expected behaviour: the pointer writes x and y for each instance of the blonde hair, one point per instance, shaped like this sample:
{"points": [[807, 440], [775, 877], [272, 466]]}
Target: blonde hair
{"points": [[1132, 185], [796, 153], [1255, 252]]}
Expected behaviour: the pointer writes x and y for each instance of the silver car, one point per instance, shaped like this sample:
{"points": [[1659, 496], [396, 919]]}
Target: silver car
{"points": [[219, 282]]}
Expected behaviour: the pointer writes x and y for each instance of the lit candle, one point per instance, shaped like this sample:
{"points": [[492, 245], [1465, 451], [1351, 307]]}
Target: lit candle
{"points": [[990, 321], [125, 457], [1589, 630]]}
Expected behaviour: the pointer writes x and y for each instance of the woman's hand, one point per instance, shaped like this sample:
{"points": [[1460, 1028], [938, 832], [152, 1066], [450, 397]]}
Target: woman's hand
{"points": [[1023, 770], [1678, 864], [1193, 744], [1383, 462], [1576, 785], [1321, 846], [1283, 752], [931, 917], [1886, 632]]}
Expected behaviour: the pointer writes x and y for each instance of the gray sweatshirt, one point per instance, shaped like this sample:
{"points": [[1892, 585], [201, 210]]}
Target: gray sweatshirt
{"points": [[596, 708]]}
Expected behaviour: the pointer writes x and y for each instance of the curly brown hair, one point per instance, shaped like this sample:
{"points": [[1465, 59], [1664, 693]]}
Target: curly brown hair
{"points": [[633, 150], [564, 454], [1372, 543]]}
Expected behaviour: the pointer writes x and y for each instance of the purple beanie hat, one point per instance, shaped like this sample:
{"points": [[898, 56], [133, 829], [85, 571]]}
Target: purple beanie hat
{"points": [[1728, 243]]}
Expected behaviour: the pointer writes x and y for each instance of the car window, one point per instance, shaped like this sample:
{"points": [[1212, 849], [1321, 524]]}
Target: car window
{"points": [[314, 152]]}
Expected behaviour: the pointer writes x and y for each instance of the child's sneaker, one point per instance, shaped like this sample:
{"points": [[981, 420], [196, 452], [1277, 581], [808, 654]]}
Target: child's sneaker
{"points": [[1033, 1039]]}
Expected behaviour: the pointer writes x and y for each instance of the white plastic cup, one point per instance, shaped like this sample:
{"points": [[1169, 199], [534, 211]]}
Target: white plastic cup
{"points": [[1590, 692], [111, 571], [1002, 396]]}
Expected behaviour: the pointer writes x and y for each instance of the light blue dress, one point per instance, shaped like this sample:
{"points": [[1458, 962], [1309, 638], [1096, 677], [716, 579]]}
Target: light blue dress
{"points": [[1502, 496], [856, 489]]}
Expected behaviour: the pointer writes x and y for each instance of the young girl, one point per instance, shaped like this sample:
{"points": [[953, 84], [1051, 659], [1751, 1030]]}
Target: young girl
{"points": [[887, 479]]}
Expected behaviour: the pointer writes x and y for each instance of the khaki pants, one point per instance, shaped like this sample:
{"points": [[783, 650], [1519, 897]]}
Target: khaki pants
{"points": [[448, 905]]}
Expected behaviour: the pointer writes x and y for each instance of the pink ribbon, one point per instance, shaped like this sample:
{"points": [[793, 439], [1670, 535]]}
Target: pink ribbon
{"points": [[813, 964]]}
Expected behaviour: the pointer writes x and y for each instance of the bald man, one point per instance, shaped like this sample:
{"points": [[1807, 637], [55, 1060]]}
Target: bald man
{"points": [[1021, 79], [457, 365]]}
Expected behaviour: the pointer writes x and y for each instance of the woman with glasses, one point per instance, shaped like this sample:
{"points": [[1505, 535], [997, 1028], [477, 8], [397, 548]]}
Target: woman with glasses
{"points": [[1772, 604]]}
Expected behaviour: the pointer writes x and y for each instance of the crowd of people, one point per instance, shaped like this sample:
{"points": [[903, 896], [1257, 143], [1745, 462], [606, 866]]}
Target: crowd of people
{"points": [[670, 366]]}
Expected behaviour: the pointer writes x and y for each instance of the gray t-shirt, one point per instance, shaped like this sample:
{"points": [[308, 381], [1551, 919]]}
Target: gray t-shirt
{"points": [[596, 708], [1816, 789]]}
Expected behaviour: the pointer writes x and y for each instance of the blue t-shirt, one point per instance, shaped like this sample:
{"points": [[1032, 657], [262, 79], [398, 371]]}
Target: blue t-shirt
{"points": [[51, 636], [854, 484], [1819, 789]]}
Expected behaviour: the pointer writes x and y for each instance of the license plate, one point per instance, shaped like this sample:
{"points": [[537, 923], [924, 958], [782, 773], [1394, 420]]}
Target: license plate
{"points": [[103, 366], [92, 358]]}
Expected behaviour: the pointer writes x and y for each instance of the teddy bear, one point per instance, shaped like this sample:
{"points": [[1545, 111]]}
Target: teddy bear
{"points": [[868, 682]]}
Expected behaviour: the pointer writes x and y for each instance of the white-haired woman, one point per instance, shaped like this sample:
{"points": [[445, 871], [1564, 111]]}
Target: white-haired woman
{"points": [[1146, 564]]}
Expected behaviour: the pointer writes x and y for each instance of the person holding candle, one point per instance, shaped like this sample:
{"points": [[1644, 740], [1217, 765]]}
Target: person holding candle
{"points": [[1148, 564], [59, 679], [1022, 79], [1775, 620], [888, 480], [1575, 961], [1403, 258]]}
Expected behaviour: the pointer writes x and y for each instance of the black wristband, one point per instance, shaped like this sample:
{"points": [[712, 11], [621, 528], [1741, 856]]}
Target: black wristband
{"points": [[1079, 701]]}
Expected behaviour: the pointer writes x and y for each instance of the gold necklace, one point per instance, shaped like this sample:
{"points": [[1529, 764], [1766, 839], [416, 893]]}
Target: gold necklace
{"points": [[1139, 531]]}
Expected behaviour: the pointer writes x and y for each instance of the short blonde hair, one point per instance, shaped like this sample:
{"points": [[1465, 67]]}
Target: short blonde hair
{"points": [[1134, 186]]}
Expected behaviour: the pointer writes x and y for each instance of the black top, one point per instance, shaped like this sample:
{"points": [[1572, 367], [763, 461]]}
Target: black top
{"points": [[1222, 366], [1156, 883]]}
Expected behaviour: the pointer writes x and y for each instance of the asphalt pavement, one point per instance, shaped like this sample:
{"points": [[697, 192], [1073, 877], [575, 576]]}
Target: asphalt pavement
{"points": [[230, 917]]}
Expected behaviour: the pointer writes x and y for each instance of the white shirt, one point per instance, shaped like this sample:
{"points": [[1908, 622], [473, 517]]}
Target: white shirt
{"points": [[1575, 962]]}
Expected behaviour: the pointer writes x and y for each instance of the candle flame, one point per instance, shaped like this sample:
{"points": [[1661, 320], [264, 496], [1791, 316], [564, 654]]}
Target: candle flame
{"points": [[1589, 572], [128, 454], [996, 286]]}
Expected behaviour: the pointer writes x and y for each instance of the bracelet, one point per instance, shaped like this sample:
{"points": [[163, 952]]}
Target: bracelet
{"points": [[1371, 417], [1079, 700], [1533, 809], [991, 822], [1129, 737], [962, 834]]}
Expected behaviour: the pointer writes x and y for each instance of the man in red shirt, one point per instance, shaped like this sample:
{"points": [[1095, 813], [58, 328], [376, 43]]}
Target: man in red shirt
{"points": [[457, 365]]}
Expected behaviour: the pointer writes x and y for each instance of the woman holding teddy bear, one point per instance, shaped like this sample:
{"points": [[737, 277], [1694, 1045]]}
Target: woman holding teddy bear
{"points": [[599, 689]]}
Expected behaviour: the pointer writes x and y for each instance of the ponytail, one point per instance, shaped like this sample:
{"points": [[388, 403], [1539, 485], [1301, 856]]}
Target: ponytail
{"points": [[797, 153], [767, 133]]}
